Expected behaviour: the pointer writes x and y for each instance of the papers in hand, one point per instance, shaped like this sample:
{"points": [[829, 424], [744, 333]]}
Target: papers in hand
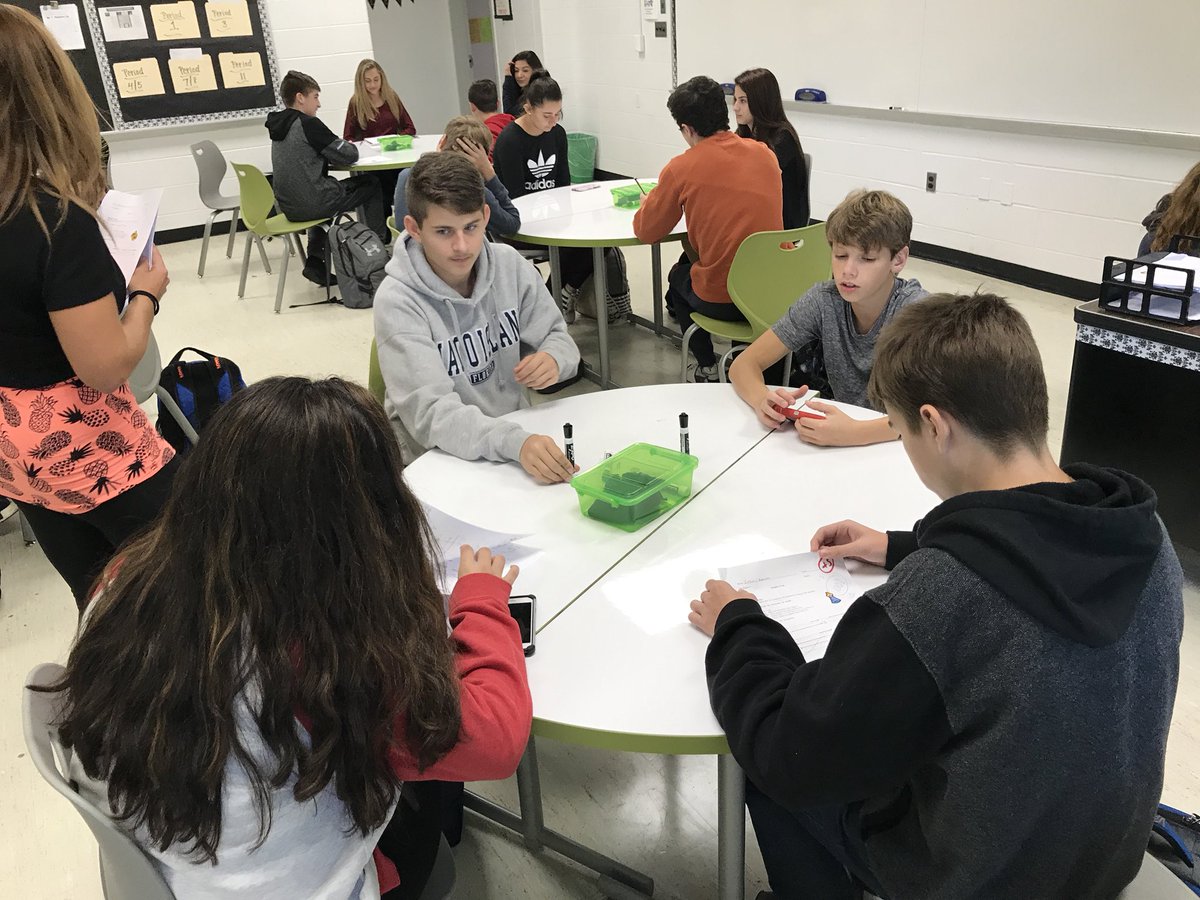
{"points": [[805, 594], [1168, 307], [452, 533], [128, 230]]}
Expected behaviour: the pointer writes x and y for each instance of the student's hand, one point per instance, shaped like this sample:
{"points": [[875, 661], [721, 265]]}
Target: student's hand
{"points": [[714, 599], [850, 540], [471, 561], [836, 430], [512, 70], [154, 280], [542, 459], [766, 411], [479, 157], [537, 370]]}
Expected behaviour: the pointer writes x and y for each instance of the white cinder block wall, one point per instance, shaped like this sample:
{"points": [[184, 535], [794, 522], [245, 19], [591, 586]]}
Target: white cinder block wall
{"points": [[1070, 202], [325, 39]]}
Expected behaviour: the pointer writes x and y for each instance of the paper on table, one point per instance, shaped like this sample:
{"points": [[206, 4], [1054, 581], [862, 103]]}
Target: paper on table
{"points": [[123, 23], [129, 227], [139, 78], [175, 21], [1168, 307], [190, 75], [62, 21], [451, 533], [792, 591], [228, 19], [241, 70]]}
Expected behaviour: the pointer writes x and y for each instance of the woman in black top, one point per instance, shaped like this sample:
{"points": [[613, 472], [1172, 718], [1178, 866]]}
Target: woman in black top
{"points": [[77, 454], [520, 70], [758, 109], [530, 155]]}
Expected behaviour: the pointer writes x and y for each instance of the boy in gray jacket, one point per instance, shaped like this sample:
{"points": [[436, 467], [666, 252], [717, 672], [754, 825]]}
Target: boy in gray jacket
{"points": [[463, 327], [302, 147]]}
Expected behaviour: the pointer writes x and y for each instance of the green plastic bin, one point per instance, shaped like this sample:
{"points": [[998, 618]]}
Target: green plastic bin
{"points": [[581, 156], [636, 486]]}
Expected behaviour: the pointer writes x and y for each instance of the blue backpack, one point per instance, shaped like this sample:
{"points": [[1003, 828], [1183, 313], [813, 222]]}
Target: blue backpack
{"points": [[1175, 842], [198, 389]]}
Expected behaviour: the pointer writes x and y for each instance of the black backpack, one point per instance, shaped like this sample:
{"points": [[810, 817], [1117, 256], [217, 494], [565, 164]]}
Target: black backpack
{"points": [[197, 389], [1175, 842]]}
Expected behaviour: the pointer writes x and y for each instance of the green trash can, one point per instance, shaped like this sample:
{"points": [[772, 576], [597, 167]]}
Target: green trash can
{"points": [[581, 155]]}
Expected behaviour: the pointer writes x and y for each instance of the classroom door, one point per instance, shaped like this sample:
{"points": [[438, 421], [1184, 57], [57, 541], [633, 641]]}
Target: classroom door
{"points": [[481, 33]]}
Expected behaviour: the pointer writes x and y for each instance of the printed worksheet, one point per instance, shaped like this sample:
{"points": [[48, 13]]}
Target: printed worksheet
{"points": [[805, 594], [451, 533], [129, 221]]}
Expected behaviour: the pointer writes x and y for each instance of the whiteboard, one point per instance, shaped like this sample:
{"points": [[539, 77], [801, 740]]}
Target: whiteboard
{"points": [[1082, 62]]}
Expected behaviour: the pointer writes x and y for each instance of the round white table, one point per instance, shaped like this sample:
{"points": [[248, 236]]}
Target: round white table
{"points": [[372, 159], [583, 215], [624, 597]]}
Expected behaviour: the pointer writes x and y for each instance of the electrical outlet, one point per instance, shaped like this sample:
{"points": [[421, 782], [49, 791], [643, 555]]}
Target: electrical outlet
{"points": [[931, 182], [660, 29]]}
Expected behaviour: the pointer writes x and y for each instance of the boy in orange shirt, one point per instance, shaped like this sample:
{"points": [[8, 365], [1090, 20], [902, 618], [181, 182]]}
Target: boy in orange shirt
{"points": [[730, 189]]}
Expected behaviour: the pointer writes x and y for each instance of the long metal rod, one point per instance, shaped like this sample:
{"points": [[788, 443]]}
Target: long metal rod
{"points": [[731, 829], [600, 280]]}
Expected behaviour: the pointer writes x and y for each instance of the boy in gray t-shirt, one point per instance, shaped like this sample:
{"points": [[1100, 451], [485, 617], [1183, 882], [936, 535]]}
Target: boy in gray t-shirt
{"points": [[868, 234]]}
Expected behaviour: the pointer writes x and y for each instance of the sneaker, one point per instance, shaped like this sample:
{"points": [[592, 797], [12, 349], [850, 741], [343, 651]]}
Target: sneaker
{"points": [[318, 276], [570, 299], [704, 374], [618, 308]]}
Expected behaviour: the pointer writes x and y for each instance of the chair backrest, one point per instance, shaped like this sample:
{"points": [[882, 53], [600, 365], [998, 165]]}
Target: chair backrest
{"points": [[374, 376], [391, 224], [211, 165], [766, 277], [144, 379], [808, 174], [125, 870], [257, 196]]}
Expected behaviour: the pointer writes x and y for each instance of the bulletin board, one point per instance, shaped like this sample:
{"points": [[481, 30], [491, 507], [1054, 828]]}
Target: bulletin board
{"points": [[180, 62]]}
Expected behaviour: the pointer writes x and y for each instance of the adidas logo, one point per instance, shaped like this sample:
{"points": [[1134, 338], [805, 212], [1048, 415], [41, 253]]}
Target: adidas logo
{"points": [[542, 167]]}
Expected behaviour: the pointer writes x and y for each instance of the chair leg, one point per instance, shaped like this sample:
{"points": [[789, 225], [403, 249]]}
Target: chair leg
{"points": [[299, 244], [328, 265], [683, 351], [724, 363], [287, 254], [233, 225], [204, 244], [250, 237], [262, 252]]}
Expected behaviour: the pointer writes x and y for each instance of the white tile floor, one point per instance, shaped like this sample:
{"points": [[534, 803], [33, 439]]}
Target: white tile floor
{"points": [[657, 814]]}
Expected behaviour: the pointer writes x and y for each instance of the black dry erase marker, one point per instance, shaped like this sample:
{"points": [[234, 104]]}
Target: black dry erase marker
{"points": [[685, 440], [569, 442]]}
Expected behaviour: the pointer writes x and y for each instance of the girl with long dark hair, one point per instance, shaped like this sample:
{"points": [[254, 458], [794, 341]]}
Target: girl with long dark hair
{"points": [[264, 668], [520, 70], [758, 109]]}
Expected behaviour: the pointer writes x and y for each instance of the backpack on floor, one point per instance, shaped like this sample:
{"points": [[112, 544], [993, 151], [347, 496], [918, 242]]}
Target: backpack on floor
{"points": [[358, 260], [617, 282], [1175, 842], [198, 389]]}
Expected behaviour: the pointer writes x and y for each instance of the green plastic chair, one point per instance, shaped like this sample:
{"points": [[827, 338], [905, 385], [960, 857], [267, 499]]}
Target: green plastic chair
{"points": [[258, 202], [391, 224], [764, 281], [375, 376]]}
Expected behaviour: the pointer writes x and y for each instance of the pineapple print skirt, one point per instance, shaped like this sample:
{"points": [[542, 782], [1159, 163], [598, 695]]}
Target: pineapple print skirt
{"points": [[69, 447]]}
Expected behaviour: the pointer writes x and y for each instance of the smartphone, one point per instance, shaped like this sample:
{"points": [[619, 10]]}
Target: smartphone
{"points": [[797, 411], [520, 607]]}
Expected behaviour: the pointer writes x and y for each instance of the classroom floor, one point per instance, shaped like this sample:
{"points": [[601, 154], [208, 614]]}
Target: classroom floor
{"points": [[657, 814]]}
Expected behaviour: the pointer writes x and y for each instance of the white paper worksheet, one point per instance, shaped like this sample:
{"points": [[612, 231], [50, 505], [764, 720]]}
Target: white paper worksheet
{"points": [[62, 21], [452, 533], [129, 221], [123, 23], [805, 594]]}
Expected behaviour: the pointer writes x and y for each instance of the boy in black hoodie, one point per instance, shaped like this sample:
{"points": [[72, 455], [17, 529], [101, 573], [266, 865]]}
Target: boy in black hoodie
{"points": [[992, 721], [302, 147]]}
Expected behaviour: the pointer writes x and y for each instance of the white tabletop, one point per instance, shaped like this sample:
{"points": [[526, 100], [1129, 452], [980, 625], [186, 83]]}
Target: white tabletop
{"points": [[622, 668], [576, 550], [372, 159], [569, 217]]}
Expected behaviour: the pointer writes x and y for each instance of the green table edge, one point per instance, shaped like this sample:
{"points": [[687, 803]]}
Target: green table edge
{"points": [[600, 739], [604, 242]]}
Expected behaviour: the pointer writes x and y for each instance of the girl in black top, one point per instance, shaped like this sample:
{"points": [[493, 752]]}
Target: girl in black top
{"points": [[520, 70], [531, 155], [77, 454], [758, 109]]}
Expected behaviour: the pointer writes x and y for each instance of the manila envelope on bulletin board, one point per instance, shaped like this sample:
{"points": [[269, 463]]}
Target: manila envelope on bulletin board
{"points": [[229, 19], [138, 78], [192, 74], [241, 69], [175, 21]]}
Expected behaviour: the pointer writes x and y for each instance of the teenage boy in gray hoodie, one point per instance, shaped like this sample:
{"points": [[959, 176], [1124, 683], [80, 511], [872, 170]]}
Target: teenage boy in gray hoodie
{"points": [[991, 722], [464, 327], [302, 147]]}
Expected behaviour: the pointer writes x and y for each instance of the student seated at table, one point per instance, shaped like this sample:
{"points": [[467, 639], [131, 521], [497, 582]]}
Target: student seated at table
{"points": [[516, 80], [464, 326], [1176, 213], [758, 110], [376, 110], [992, 721], [485, 105], [266, 667], [730, 189], [531, 156], [302, 147], [470, 137], [868, 235]]}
